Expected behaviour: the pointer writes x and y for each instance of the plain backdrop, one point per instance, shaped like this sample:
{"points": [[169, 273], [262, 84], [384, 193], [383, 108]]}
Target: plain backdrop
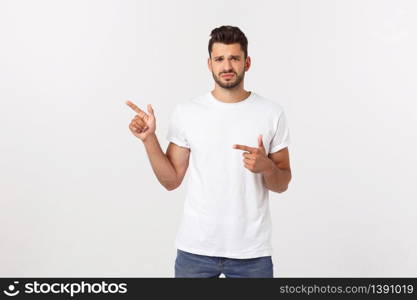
{"points": [[78, 194]]}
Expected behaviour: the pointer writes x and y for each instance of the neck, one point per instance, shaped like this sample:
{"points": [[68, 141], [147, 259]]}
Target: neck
{"points": [[230, 95]]}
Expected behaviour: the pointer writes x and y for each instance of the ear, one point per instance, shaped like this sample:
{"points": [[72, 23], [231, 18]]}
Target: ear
{"points": [[209, 64], [247, 63]]}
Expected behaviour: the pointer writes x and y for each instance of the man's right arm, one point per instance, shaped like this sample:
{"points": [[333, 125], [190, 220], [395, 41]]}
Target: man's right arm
{"points": [[169, 168]]}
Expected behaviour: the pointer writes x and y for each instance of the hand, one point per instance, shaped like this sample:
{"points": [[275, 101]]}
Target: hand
{"points": [[143, 124], [256, 159]]}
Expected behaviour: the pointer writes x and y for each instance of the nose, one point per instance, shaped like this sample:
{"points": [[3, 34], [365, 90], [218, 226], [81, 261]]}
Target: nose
{"points": [[227, 66]]}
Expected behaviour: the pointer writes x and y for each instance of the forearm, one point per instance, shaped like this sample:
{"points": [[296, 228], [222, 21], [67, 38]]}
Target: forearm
{"points": [[276, 179], [161, 165]]}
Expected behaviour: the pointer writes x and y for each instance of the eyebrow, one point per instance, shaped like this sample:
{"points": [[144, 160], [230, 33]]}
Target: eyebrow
{"points": [[231, 56]]}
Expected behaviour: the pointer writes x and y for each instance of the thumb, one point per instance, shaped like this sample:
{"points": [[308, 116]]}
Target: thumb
{"points": [[260, 142], [150, 109]]}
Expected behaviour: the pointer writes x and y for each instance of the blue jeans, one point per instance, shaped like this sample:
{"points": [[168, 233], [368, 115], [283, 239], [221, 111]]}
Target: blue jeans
{"points": [[201, 266]]}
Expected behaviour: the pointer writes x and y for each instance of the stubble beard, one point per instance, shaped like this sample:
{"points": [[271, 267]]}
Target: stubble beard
{"points": [[229, 84]]}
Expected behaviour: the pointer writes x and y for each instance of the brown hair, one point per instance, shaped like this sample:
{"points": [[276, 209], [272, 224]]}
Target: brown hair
{"points": [[228, 35]]}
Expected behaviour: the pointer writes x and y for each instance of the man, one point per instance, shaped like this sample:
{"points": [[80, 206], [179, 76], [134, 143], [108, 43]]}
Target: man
{"points": [[226, 226]]}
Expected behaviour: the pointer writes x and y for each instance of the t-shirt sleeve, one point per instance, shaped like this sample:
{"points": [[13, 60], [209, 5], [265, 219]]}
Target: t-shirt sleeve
{"points": [[176, 129], [281, 138]]}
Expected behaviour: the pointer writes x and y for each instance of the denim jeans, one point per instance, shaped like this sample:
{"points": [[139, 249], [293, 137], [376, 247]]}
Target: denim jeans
{"points": [[201, 266]]}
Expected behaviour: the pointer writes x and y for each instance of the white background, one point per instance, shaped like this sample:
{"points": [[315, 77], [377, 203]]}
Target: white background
{"points": [[78, 194]]}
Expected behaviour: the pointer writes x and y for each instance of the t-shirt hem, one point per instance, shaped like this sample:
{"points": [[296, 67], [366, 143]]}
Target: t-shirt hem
{"points": [[279, 147], [241, 255], [178, 142]]}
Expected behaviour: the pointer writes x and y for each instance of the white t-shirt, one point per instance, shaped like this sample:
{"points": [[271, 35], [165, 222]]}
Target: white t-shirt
{"points": [[226, 210]]}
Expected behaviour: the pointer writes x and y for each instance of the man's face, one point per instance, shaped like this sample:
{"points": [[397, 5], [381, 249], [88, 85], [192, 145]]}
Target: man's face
{"points": [[228, 60]]}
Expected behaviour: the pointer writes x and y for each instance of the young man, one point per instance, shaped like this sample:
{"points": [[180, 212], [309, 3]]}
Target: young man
{"points": [[236, 143]]}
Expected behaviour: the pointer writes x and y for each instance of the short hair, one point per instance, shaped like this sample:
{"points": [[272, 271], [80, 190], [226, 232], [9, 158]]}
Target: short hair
{"points": [[227, 34]]}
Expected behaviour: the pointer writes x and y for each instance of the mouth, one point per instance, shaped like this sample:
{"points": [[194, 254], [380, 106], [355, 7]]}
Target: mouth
{"points": [[228, 75]]}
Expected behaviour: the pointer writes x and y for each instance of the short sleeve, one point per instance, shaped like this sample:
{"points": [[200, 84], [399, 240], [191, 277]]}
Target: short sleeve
{"points": [[176, 129], [281, 138]]}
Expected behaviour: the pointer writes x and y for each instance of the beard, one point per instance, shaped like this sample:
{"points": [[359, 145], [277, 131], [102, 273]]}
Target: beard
{"points": [[231, 83]]}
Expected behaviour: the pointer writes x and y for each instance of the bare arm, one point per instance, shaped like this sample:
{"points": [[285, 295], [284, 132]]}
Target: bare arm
{"points": [[278, 176], [169, 168]]}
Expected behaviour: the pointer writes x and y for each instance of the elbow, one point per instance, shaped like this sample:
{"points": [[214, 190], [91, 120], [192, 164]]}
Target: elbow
{"points": [[171, 187], [283, 189]]}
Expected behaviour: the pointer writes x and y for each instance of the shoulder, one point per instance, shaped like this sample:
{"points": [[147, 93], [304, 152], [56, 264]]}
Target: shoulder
{"points": [[189, 105], [273, 106]]}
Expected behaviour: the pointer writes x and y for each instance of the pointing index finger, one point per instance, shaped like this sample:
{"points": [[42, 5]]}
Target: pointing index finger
{"points": [[134, 107], [243, 147]]}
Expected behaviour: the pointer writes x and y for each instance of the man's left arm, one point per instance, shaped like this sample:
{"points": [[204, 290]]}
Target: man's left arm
{"points": [[277, 177], [274, 167]]}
